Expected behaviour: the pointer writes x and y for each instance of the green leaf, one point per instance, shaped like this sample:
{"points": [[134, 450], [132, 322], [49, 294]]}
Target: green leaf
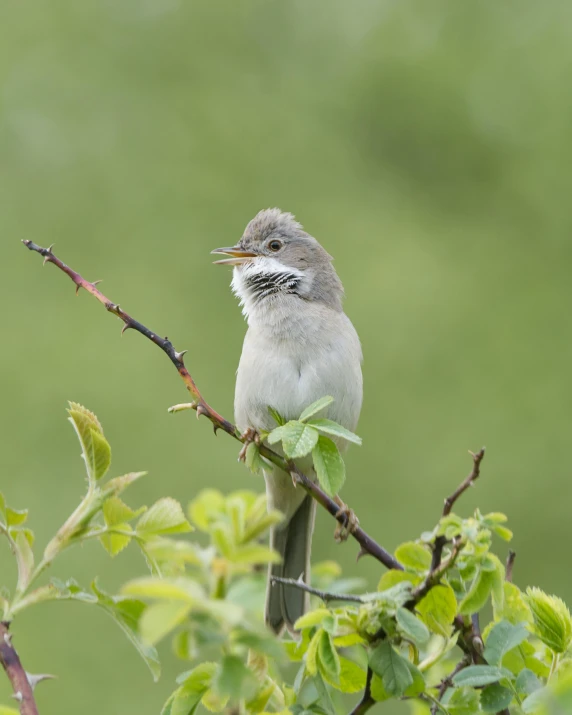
{"points": [[127, 612], [503, 532], [116, 486], [329, 659], [276, 435], [101, 454], [329, 466], [515, 609], [478, 594], [438, 609], [253, 460], [255, 554], [495, 698], [476, 676], [117, 512], [527, 682], [200, 678], [534, 701], [173, 551], [262, 643], [15, 517], [312, 618], [115, 543], [378, 691], [205, 508], [276, 416], [8, 711], [497, 590], [351, 678], [70, 590], [316, 407], [413, 556], [164, 517], [503, 637], [333, 428], [257, 527], [461, 701], [392, 667], [178, 589], [185, 702], [411, 627], [552, 620], [418, 685], [312, 653], [393, 577], [235, 680], [96, 451], [161, 618], [298, 439]]}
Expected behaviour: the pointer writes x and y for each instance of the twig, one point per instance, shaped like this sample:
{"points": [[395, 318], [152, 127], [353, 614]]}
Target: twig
{"points": [[435, 575], [447, 682], [199, 404], [326, 596], [476, 632], [509, 565], [367, 700], [16, 674], [440, 541]]}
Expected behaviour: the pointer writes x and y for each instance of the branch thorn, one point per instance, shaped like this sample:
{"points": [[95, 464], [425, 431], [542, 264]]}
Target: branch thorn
{"points": [[181, 355], [125, 327], [34, 680]]}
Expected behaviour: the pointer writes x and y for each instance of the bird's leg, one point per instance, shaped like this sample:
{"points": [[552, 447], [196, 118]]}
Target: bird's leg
{"points": [[351, 521], [248, 437]]}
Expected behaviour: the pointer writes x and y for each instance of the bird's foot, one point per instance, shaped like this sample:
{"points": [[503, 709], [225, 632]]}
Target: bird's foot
{"points": [[248, 437], [350, 524]]}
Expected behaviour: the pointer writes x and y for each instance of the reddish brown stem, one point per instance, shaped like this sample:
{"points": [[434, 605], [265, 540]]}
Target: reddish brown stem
{"points": [[440, 541], [16, 674], [368, 545]]}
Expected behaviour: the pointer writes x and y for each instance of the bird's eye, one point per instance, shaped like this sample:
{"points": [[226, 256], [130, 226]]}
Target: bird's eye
{"points": [[275, 245]]}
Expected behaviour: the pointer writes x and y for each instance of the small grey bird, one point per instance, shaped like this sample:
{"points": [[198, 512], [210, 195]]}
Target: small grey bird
{"points": [[300, 346]]}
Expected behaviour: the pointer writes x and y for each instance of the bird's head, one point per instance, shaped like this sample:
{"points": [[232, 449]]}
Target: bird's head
{"points": [[276, 257]]}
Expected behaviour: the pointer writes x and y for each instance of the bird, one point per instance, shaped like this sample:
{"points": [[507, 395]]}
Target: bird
{"points": [[300, 346]]}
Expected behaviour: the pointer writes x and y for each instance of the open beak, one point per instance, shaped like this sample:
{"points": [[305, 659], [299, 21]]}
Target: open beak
{"points": [[238, 256]]}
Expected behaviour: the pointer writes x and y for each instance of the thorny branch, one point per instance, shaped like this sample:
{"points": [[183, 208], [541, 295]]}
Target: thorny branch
{"points": [[23, 691], [440, 541], [200, 405], [470, 640], [326, 596], [367, 700], [447, 683], [510, 565]]}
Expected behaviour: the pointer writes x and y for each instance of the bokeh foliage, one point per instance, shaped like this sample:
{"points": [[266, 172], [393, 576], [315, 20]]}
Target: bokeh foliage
{"points": [[426, 145]]}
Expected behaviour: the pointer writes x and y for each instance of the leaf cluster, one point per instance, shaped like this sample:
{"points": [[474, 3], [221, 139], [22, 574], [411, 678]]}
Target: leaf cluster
{"points": [[413, 639]]}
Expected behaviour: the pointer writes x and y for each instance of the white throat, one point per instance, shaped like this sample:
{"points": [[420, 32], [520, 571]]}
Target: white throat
{"points": [[261, 283]]}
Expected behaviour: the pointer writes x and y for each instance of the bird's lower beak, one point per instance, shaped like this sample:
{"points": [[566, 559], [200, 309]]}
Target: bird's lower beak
{"points": [[238, 256]]}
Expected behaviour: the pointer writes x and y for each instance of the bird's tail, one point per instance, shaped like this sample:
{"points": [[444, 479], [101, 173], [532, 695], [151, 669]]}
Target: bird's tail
{"points": [[293, 541]]}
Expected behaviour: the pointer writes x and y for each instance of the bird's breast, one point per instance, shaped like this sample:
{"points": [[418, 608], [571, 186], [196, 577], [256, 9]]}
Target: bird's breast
{"points": [[289, 368]]}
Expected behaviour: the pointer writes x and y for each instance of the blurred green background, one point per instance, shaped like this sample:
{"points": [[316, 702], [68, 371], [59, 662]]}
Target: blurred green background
{"points": [[427, 145]]}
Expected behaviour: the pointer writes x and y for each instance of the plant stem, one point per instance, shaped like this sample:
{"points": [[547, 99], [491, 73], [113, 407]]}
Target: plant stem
{"points": [[16, 674]]}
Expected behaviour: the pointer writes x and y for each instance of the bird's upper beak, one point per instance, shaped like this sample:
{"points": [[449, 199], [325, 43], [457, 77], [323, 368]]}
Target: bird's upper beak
{"points": [[238, 256]]}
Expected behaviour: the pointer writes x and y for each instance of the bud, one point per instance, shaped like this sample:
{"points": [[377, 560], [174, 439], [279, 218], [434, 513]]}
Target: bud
{"points": [[552, 621]]}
